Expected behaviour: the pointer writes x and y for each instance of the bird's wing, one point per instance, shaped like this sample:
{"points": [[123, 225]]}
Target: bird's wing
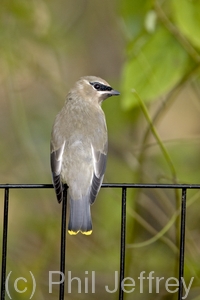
{"points": [[99, 161], [56, 163]]}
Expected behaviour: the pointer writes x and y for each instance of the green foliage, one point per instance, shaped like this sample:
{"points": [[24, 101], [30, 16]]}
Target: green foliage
{"points": [[157, 60], [186, 15], [156, 63], [162, 59]]}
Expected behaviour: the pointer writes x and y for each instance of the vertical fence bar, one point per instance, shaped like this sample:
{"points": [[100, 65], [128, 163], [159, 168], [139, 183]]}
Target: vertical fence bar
{"points": [[63, 245], [123, 243], [4, 243], [182, 243]]}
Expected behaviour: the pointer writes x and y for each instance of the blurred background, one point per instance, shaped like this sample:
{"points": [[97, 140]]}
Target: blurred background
{"points": [[150, 52]]}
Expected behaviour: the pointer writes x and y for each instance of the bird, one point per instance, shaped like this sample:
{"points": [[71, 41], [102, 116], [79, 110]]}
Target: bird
{"points": [[78, 150]]}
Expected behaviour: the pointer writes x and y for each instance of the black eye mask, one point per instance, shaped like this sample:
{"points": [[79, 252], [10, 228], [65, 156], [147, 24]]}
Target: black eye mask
{"points": [[100, 87]]}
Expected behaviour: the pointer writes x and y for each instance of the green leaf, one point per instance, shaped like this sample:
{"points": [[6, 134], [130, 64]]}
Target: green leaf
{"points": [[133, 13], [187, 18], [154, 68]]}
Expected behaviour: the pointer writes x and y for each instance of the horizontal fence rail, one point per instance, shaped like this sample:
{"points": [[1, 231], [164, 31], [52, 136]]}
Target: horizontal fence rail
{"points": [[123, 187]]}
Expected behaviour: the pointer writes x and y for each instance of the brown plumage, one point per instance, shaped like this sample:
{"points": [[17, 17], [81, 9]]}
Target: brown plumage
{"points": [[79, 149]]}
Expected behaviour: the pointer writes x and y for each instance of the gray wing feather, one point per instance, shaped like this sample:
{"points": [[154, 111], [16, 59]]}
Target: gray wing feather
{"points": [[99, 159], [56, 163]]}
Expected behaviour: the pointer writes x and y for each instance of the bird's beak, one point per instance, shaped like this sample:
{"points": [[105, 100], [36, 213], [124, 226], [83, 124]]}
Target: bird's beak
{"points": [[114, 93], [107, 94]]}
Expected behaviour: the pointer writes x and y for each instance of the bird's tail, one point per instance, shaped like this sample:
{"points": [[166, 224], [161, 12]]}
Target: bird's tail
{"points": [[80, 216]]}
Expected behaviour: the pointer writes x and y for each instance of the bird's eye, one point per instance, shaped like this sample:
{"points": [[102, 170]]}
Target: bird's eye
{"points": [[100, 87], [97, 86]]}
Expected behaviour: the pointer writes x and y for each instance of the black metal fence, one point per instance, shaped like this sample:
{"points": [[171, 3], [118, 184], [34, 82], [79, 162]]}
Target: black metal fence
{"points": [[123, 187]]}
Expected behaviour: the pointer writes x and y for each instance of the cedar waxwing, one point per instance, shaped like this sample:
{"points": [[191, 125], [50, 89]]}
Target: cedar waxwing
{"points": [[79, 149]]}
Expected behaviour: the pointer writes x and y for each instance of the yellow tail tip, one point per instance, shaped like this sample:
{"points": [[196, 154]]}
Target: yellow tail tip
{"points": [[71, 232], [87, 232]]}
